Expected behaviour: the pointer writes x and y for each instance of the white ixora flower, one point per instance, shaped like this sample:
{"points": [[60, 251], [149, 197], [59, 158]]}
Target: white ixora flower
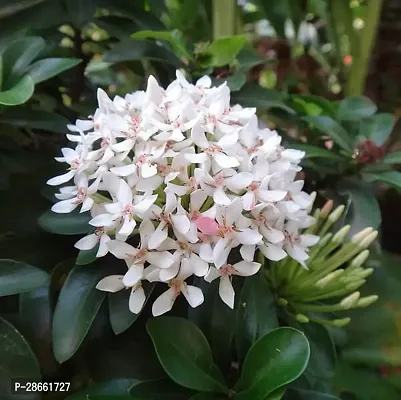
{"points": [[198, 181]]}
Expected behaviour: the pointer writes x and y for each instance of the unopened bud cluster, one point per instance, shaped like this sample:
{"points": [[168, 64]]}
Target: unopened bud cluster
{"points": [[334, 271]]}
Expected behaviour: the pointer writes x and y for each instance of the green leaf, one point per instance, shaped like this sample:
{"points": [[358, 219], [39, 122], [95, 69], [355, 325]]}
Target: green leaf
{"points": [[275, 360], [1, 71], [131, 50], [117, 26], [276, 395], [121, 318], [317, 152], [207, 396], [36, 314], [76, 308], [81, 11], [86, 257], [13, 7], [300, 394], [322, 360], [331, 128], [312, 103], [247, 59], [234, 82], [355, 108], [17, 277], [256, 312], [21, 92], [392, 178], [365, 383], [43, 70], [16, 360], [34, 119], [159, 389], [175, 38], [252, 95], [19, 54], [393, 158], [224, 50], [185, 354], [117, 387], [276, 13], [364, 209], [377, 128], [65, 224]]}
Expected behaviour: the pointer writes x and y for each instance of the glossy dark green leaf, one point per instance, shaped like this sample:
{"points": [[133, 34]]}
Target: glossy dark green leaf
{"points": [[322, 360], [392, 178], [20, 53], [117, 26], [317, 152], [276, 395], [43, 70], [86, 257], [276, 13], [121, 318], [234, 82], [377, 128], [20, 93], [8, 8], [207, 396], [76, 308], [330, 127], [159, 389], [256, 313], [364, 210], [81, 11], [17, 277], [117, 387], [300, 394], [185, 354], [355, 108], [252, 95], [175, 39], [275, 360], [248, 58], [326, 106], [35, 119], [365, 383], [224, 50], [16, 360], [65, 224], [393, 158], [36, 317], [131, 50]]}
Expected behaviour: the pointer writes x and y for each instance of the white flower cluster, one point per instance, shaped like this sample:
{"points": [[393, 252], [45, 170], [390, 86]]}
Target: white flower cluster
{"points": [[197, 179]]}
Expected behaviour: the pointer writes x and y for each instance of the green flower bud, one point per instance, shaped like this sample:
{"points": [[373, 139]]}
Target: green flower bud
{"points": [[302, 318], [341, 234], [366, 301], [326, 209], [336, 214], [361, 235], [368, 240], [340, 323], [282, 302], [360, 259], [350, 301], [329, 278]]}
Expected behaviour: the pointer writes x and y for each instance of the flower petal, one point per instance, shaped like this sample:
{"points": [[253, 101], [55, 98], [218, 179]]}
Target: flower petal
{"points": [[239, 181], [193, 295], [246, 268], [248, 236], [102, 220], [121, 250], [181, 223], [208, 226], [133, 275], [226, 291], [225, 161], [65, 206], [137, 299], [87, 242], [164, 303], [160, 259], [248, 252], [200, 267], [112, 284], [221, 251], [273, 252], [58, 180], [158, 237]]}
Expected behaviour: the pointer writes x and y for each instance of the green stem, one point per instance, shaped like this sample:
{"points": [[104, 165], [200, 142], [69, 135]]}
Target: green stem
{"points": [[361, 52], [224, 18]]}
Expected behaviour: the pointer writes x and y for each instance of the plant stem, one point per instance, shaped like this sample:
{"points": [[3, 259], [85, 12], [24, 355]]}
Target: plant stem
{"points": [[361, 53], [224, 18]]}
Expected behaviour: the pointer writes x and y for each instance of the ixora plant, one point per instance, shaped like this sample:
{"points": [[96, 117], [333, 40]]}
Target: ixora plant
{"points": [[187, 189]]}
